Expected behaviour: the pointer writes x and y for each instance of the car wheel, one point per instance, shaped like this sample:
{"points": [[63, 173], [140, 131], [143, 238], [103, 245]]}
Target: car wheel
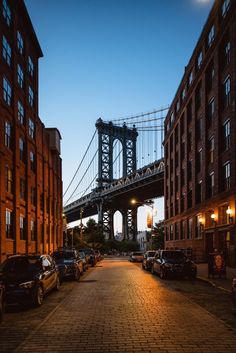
{"points": [[38, 297], [58, 284], [162, 274], [77, 274]]}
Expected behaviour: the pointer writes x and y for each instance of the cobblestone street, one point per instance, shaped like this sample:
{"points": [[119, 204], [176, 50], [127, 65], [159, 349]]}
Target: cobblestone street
{"points": [[117, 307]]}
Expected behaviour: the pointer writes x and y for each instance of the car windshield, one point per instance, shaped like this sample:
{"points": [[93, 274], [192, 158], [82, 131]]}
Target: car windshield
{"points": [[60, 255], [22, 265], [176, 255]]}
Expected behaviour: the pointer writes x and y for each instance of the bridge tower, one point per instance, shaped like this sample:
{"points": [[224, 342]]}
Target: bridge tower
{"points": [[107, 134]]}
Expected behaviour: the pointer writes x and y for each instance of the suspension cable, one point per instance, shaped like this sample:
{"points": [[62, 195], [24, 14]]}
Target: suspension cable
{"points": [[80, 163]]}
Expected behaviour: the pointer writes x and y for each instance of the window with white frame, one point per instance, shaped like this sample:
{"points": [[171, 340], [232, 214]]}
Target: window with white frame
{"points": [[20, 42], [30, 66], [211, 35], [21, 112], [31, 128], [9, 222], [225, 7], [226, 175], [8, 134], [211, 149], [6, 50], [22, 228], [31, 96], [20, 76], [32, 161], [7, 93], [6, 12]]}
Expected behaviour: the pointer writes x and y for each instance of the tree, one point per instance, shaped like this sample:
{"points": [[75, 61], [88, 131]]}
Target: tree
{"points": [[158, 236], [93, 234]]}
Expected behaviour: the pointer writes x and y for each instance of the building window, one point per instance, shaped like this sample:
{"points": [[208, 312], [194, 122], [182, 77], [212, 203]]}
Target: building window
{"points": [[190, 228], [31, 97], [210, 75], [199, 161], [211, 36], [177, 106], [226, 92], [199, 129], [32, 230], [226, 135], [32, 161], [22, 149], [198, 96], [6, 50], [183, 94], [171, 232], [7, 91], [30, 66], [22, 228], [190, 79], [227, 53], [9, 222], [31, 128], [8, 135], [198, 233], [211, 184], [182, 229], [9, 181], [22, 188], [199, 60], [21, 112], [20, 43], [20, 76], [211, 149], [210, 111], [225, 7], [226, 176], [6, 12], [199, 192], [33, 196]]}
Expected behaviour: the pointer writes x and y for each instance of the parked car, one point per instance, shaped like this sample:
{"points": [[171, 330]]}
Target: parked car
{"points": [[98, 255], [69, 263], [147, 260], [84, 259], [28, 278], [234, 290], [170, 263], [136, 256], [91, 256], [2, 300]]}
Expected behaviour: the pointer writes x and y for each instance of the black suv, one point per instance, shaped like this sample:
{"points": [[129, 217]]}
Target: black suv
{"points": [[69, 263], [28, 278], [169, 263]]}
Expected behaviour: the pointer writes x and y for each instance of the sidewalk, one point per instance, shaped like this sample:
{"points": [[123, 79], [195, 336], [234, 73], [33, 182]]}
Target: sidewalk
{"points": [[221, 283]]}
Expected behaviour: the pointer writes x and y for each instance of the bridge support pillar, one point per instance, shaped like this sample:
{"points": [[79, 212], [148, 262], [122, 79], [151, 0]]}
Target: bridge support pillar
{"points": [[129, 223]]}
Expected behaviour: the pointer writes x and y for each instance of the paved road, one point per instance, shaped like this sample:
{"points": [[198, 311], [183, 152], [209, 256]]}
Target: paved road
{"points": [[118, 307]]}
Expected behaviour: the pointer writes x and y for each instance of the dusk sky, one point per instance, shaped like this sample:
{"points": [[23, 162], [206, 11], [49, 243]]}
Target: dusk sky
{"points": [[109, 59]]}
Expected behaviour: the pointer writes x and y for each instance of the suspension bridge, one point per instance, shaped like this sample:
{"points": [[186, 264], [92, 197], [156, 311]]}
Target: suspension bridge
{"points": [[123, 160]]}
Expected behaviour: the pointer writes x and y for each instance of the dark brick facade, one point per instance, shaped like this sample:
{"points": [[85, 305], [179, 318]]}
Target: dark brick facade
{"points": [[30, 163], [200, 144]]}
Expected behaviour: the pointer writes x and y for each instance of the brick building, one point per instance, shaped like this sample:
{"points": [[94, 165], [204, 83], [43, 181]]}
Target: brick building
{"points": [[200, 144], [30, 163]]}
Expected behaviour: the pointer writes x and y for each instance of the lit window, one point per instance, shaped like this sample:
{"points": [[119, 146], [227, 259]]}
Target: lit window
{"points": [[211, 35], [31, 97], [20, 112], [31, 128], [226, 135], [9, 181], [6, 12], [30, 66], [9, 222], [225, 7], [22, 228], [6, 50], [20, 76], [7, 91], [20, 43], [8, 134], [22, 149], [226, 92]]}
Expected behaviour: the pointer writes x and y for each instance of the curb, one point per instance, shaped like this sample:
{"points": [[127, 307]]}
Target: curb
{"points": [[204, 279]]}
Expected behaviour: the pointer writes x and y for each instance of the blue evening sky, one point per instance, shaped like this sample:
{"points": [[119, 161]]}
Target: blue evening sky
{"points": [[109, 58]]}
